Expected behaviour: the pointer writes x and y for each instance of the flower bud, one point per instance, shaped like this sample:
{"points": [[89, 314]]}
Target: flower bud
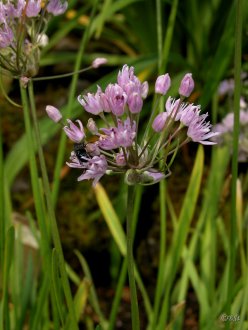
{"points": [[162, 84], [135, 103], [144, 89], [120, 159], [98, 62], [53, 113], [159, 122], [56, 7], [91, 125], [33, 8], [187, 85], [150, 177], [134, 177]]}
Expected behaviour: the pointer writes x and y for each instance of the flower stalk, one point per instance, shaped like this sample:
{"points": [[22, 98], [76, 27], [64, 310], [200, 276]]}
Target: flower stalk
{"points": [[130, 260]]}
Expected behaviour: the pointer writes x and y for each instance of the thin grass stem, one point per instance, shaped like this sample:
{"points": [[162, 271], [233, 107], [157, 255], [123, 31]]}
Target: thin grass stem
{"points": [[233, 225], [130, 260], [72, 92], [51, 213]]}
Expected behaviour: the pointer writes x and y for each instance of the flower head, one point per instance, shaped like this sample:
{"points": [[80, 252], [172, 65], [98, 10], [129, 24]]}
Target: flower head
{"points": [[225, 129], [118, 148], [20, 34]]}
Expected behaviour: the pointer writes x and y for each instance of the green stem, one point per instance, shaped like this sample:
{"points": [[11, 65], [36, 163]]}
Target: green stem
{"points": [[162, 250], [51, 213], [233, 228], [130, 260], [118, 294], [2, 204], [72, 92]]}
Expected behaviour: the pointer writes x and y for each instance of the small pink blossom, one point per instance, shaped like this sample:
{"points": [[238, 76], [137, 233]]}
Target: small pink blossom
{"points": [[187, 85], [117, 99], [95, 169], [53, 113], [159, 122], [33, 8], [162, 84], [75, 133], [56, 7], [98, 62]]}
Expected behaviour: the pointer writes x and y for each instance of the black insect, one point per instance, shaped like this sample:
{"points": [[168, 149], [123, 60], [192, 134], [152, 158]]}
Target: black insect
{"points": [[81, 153]]}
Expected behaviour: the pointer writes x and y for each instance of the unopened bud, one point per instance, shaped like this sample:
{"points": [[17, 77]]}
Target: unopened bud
{"points": [[91, 125], [135, 103], [159, 121], [162, 84], [187, 85], [98, 62], [53, 113]]}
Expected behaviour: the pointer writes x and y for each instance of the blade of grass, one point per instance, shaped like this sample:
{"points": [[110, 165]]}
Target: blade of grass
{"points": [[93, 294], [181, 233], [8, 257], [72, 92], [111, 218], [58, 297], [237, 81]]}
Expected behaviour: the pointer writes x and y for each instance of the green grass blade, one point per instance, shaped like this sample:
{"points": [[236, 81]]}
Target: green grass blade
{"points": [[8, 257], [111, 218], [93, 294], [181, 233]]}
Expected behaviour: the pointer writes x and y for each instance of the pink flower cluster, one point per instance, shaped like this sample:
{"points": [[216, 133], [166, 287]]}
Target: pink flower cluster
{"points": [[118, 148], [20, 35]]}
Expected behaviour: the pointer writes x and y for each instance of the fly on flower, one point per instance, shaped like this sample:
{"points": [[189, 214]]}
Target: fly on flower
{"points": [[119, 148]]}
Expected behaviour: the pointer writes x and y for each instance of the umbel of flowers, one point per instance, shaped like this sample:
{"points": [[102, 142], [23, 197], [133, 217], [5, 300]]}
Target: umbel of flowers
{"points": [[225, 129], [118, 147], [22, 27]]}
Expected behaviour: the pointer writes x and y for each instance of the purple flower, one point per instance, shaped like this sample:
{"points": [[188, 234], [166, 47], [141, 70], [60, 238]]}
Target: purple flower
{"points": [[153, 176], [56, 7], [92, 127], [187, 85], [120, 159], [199, 130], [75, 133], [6, 36], [11, 11], [159, 121], [96, 167], [33, 8], [121, 136], [135, 102], [117, 99], [118, 148], [162, 84], [53, 113], [125, 133], [130, 83], [172, 107], [188, 113], [92, 102]]}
